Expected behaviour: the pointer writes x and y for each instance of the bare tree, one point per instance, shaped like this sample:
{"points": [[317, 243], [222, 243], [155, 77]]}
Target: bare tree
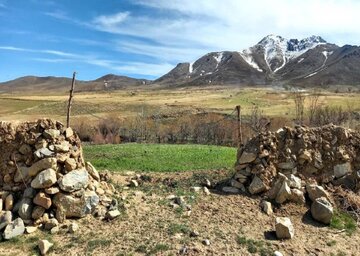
{"points": [[258, 122], [313, 105], [299, 99]]}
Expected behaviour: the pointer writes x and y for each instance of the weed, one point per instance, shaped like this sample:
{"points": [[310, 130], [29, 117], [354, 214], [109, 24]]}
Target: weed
{"points": [[93, 244], [254, 246], [178, 228], [342, 220]]}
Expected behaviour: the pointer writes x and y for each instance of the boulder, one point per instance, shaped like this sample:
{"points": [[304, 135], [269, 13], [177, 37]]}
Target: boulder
{"points": [[43, 164], [256, 186], [341, 170], [5, 219], [74, 180], [42, 200], [69, 206], [247, 157], [284, 193], [284, 228], [44, 179], [322, 210], [25, 208], [315, 191], [70, 164], [14, 229], [44, 246]]}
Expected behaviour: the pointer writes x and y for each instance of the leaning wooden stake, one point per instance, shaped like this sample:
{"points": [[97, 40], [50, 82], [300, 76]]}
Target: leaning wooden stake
{"points": [[70, 100], [238, 112]]}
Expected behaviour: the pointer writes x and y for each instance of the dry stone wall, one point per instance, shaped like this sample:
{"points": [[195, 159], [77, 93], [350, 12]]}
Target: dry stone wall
{"points": [[44, 178]]}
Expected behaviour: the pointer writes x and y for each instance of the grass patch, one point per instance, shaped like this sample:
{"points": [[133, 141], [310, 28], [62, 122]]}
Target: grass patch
{"points": [[255, 246], [93, 244], [178, 228], [159, 157], [343, 221]]}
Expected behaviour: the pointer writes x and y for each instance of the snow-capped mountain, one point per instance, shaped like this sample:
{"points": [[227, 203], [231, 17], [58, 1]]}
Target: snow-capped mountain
{"points": [[273, 60]]}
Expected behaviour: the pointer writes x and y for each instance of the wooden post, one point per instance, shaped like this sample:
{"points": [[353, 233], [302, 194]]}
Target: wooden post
{"points": [[238, 112], [70, 99]]}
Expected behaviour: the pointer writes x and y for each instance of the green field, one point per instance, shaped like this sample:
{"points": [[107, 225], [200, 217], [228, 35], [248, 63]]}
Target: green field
{"points": [[159, 157]]}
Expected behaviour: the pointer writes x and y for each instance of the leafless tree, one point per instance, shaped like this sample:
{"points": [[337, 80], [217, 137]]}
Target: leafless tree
{"points": [[258, 122], [313, 105], [299, 100]]}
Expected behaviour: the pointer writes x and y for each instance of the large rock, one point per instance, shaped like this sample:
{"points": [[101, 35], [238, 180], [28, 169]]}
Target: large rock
{"points": [[316, 191], [322, 210], [14, 229], [42, 200], [341, 170], [284, 228], [51, 133], [5, 219], [92, 171], [247, 157], [284, 193], [91, 201], [74, 180], [9, 202], [256, 186], [25, 208], [44, 179], [43, 164]]}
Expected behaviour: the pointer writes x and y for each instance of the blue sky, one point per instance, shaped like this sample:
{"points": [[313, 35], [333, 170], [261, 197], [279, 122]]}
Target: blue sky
{"points": [[147, 38]]}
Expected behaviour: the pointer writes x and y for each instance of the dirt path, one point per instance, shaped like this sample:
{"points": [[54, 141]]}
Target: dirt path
{"points": [[234, 225]]}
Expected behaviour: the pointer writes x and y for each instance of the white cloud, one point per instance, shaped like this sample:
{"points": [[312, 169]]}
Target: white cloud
{"points": [[111, 20]]}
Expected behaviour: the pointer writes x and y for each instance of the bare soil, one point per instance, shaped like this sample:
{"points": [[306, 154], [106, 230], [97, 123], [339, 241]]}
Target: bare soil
{"points": [[234, 225]]}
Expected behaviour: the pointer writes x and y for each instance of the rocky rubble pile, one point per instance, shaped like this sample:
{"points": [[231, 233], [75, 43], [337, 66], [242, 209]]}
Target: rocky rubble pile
{"points": [[293, 163], [44, 179]]}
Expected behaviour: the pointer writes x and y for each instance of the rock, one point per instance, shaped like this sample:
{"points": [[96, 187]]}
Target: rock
{"points": [[43, 152], [247, 157], [91, 201], [277, 253], [316, 191], [231, 190], [110, 215], [283, 194], [21, 174], [51, 133], [294, 182], [73, 227], [195, 189], [206, 242], [207, 183], [30, 229], [69, 132], [44, 179], [44, 246], [25, 149], [42, 200], [322, 210], [54, 230], [341, 170], [70, 164], [9, 202], [206, 191], [1, 205], [194, 233], [5, 219], [305, 156], [256, 186], [51, 223], [52, 190], [63, 147], [134, 183], [29, 193], [236, 184], [37, 212], [284, 228], [297, 196], [74, 180], [25, 208], [267, 207], [286, 165], [16, 228], [46, 163], [69, 206], [92, 171]]}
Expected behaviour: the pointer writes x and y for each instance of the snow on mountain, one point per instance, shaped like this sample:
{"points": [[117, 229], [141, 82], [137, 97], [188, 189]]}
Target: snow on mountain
{"points": [[246, 55]]}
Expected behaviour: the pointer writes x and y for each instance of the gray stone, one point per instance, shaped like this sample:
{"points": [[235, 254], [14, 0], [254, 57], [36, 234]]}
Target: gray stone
{"points": [[25, 208], [284, 228], [91, 201], [322, 210], [231, 190], [287, 165], [43, 164], [341, 170], [69, 206], [29, 193], [74, 180], [110, 215], [236, 184], [256, 186], [5, 219], [37, 212], [316, 191], [44, 246], [73, 227], [267, 207], [283, 194], [22, 174], [294, 182], [16, 228], [247, 157], [51, 133], [92, 171], [43, 152], [51, 223], [297, 196], [44, 179], [206, 242]]}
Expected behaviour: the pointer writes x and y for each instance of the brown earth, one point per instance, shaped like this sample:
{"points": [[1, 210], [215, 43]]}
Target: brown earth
{"points": [[150, 226]]}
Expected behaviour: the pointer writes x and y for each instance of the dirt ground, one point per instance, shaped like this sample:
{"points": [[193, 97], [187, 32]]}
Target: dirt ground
{"points": [[149, 225]]}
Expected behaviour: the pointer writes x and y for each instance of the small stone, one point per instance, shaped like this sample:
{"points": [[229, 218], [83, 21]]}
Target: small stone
{"points": [[316, 191], [54, 230], [51, 133], [277, 253], [29, 193], [236, 184], [256, 186], [134, 183], [42, 200], [46, 163], [14, 229], [73, 227], [51, 223], [74, 180], [70, 164], [283, 194], [44, 246], [341, 170], [43, 152], [231, 190], [284, 228], [297, 196], [21, 174], [44, 179], [5, 219], [30, 229], [100, 191], [37, 212], [52, 190], [196, 189], [69, 132], [206, 191], [9, 202], [1, 204], [25, 208], [322, 210], [7, 178], [63, 147], [294, 182], [286, 165], [206, 242], [267, 207], [207, 183], [92, 171], [110, 215], [194, 233], [25, 149], [247, 157]]}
